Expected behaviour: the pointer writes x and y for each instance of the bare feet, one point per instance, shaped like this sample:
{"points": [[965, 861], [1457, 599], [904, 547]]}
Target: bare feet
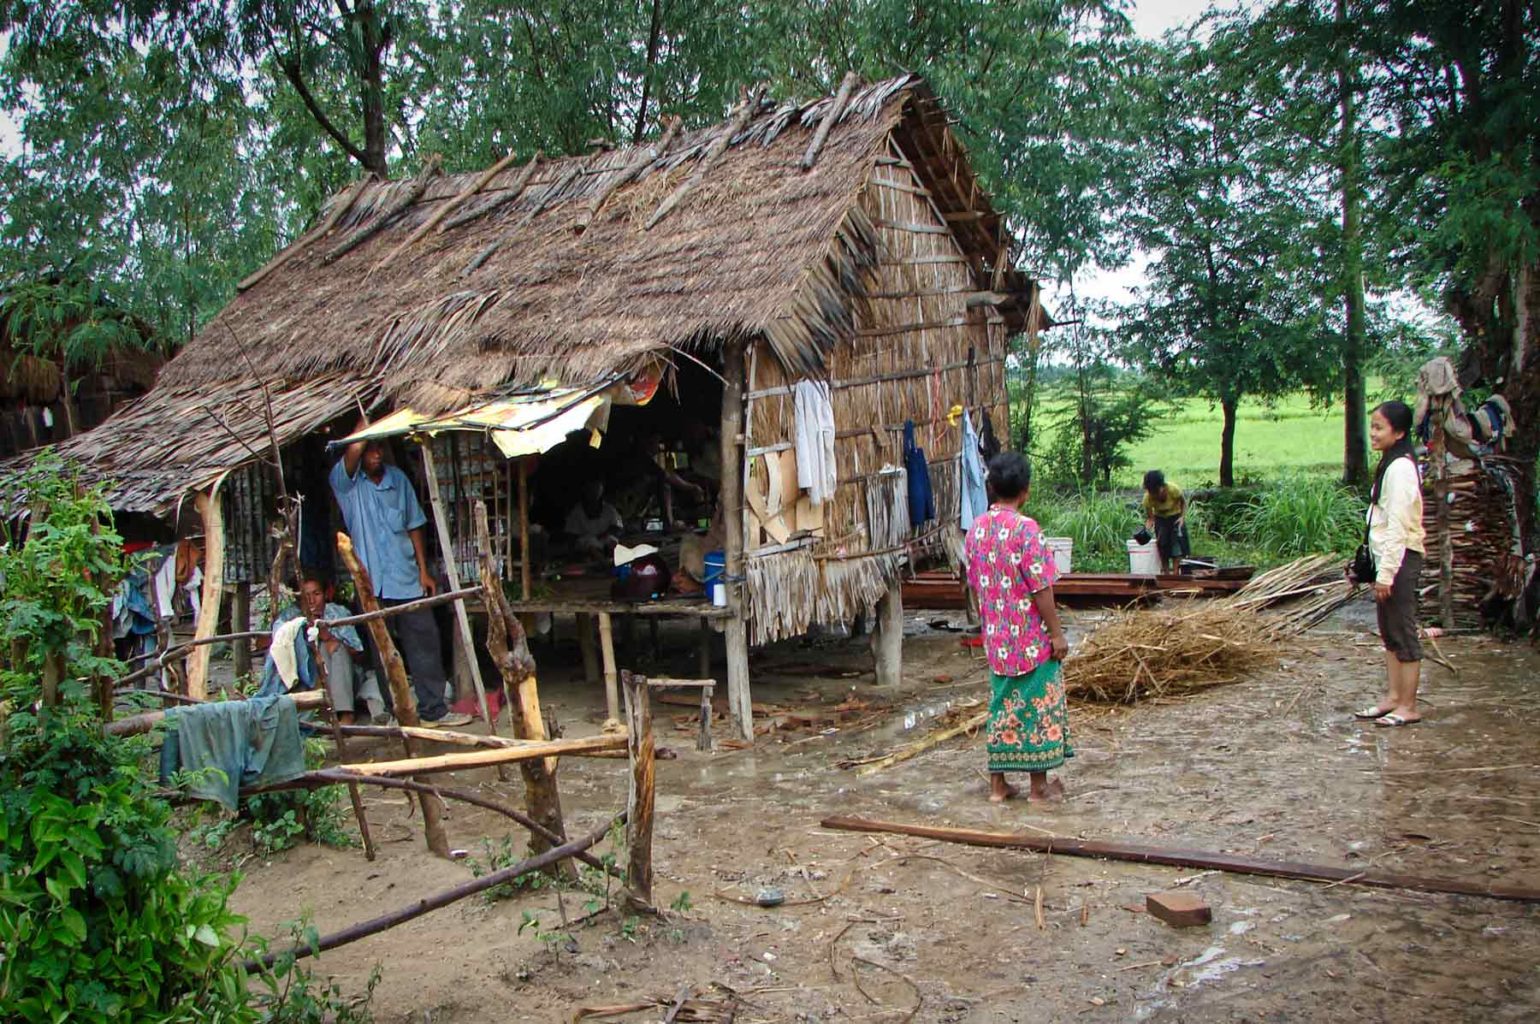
{"points": [[1049, 793], [1002, 791]]}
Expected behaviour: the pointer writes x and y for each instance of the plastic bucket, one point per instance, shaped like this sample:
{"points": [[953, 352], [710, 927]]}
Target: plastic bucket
{"points": [[1062, 548], [1143, 559], [716, 568]]}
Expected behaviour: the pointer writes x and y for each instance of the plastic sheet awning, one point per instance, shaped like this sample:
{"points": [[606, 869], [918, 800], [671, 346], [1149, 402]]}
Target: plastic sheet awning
{"points": [[523, 424]]}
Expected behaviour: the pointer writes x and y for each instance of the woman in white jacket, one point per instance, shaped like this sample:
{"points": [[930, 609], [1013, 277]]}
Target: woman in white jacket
{"points": [[1396, 543]]}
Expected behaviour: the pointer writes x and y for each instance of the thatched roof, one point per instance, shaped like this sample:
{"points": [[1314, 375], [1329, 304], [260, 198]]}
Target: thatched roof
{"points": [[540, 286]]}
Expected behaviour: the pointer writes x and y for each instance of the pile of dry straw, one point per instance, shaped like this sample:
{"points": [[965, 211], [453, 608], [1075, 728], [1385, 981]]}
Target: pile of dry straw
{"points": [[1192, 645]]}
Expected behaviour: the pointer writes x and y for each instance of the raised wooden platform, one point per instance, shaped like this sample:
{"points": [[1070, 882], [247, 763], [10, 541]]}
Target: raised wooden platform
{"points": [[942, 590]]}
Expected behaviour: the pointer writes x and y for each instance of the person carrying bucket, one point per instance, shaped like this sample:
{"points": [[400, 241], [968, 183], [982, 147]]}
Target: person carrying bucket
{"points": [[1165, 515]]}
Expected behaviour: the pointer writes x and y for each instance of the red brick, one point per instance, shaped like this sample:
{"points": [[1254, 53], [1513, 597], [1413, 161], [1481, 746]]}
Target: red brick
{"points": [[1178, 909]]}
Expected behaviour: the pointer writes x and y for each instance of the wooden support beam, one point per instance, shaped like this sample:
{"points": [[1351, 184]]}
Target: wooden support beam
{"points": [[211, 510], [467, 759], [400, 690], [1201, 859], [888, 637], [639, 804], [137, 725], [240, 622], [736, 517], [510, 651], [611, 672], [833, 114], [588, 647], [452, 571]]}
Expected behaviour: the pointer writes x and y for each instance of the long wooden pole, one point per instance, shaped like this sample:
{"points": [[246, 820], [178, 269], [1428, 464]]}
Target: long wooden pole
{"points": [[323, 687], [462, 617], [400, 690], [364, 929], [210, 508], [461, 760], [1202, 859], [510, 651], [639, 804], [135, 725], [735, 517]]}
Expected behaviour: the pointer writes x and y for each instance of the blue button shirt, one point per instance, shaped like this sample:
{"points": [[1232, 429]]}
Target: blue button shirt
{"points": [[378, 517]]}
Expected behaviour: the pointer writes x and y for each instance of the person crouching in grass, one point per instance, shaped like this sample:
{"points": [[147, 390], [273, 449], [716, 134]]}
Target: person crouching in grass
{"points": [[1012, 573]]}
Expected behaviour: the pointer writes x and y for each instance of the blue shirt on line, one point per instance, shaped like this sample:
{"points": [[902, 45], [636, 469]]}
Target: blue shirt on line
{"points": [[379, 518]]}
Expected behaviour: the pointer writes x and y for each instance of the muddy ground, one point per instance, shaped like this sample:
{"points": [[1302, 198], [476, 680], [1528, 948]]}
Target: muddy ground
{"points": [[891, 928]]}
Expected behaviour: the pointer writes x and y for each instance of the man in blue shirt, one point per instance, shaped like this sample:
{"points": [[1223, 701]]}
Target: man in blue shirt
{"points": [[385, 521]]}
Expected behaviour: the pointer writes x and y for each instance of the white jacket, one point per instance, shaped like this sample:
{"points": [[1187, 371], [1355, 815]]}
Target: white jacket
{"points": [[1395, 520]]}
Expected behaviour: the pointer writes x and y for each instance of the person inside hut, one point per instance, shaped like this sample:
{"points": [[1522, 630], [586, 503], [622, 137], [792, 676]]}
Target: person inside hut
{"points": [[645, 483], [1012, 573], [342, 651], [593, 526], [386, 522], [703, 452], [1396, 549], [1165, 515]]}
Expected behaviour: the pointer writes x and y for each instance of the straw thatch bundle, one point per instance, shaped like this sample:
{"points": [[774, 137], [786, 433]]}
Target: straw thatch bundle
{"points": [[1195, 644]]}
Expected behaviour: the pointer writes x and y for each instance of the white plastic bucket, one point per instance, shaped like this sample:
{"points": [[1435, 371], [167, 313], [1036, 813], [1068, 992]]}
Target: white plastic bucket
{"points": [[1062, 548], [1143, 559]]}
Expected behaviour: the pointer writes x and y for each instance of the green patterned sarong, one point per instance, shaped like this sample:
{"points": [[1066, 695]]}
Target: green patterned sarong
{"points": [[1028, 727]]}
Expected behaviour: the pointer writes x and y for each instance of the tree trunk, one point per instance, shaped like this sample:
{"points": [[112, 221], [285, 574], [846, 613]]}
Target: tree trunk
{"points": [[1522, 390], [1227, 442], [1355, 451], [654, 35], [376, 40]]}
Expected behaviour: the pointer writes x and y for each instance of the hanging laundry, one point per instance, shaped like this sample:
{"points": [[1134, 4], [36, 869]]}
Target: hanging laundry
{"points": [[816, 472], [922, 503], [989, 445], [227, 744], [975, 498]]}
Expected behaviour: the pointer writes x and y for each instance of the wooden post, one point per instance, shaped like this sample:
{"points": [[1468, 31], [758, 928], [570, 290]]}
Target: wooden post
{"points": [[643, 785], [734, 470], [323, 684], [525, 586], [888, 637], [703, 741], [211, 509], [1438, 463], [510, 651], [240, 622], [705, 647], [607, 652], [400, 690], [446, 551], [584, 623]]}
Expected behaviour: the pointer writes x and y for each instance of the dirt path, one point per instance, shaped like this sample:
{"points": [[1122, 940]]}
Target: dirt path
{"points": [[1273, 766]]}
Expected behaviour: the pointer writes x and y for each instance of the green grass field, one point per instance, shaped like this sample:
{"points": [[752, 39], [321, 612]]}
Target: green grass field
{"points": [[1288, 436]]}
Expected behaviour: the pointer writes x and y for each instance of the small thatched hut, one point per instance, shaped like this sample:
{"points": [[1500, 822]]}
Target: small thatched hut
{"points": [[845, 242]]}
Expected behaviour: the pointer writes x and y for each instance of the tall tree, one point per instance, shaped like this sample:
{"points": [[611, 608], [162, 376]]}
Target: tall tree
{"points": [[1231, 307]]}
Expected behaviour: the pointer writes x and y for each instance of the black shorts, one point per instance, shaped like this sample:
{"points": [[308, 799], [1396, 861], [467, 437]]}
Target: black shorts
{"points": [[1398, 614]]}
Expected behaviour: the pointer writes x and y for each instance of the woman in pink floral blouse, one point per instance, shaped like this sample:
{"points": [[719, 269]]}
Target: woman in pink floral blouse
{"points": [[1012, 572]]}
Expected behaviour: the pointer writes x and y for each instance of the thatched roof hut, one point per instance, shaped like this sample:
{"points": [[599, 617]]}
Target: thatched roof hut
{"points": [[845, 240]]}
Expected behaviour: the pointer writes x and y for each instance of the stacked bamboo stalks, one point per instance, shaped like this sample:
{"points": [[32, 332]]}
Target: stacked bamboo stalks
{"points": [[1480, 522], [1191, 647]]}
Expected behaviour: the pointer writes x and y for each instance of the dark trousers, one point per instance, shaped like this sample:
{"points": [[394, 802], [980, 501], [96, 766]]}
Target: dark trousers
{"points": [[416, 637], [1398, 615]]}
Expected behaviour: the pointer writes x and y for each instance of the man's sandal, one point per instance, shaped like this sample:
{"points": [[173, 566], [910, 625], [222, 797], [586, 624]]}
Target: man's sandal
{"points": [[1393, 720]]}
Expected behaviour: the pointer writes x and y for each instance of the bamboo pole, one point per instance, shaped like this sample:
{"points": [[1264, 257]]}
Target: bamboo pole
{"points": [[461, 760], [836, 109], [639, 803], [211, 509], [323, 688], [611, 677], [339, 210], [736, 517], [401, 691], [1234, 863], [446, 550], [374, 926], [712, 153], [135, 725], [481, 182]]}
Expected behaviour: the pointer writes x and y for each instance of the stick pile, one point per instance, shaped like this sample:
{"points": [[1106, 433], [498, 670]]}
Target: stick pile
{"points": [[1193, 646]]}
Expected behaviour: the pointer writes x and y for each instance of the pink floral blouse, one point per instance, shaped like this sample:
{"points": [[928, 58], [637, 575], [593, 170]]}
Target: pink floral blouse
{"points": [[1008, 563]]}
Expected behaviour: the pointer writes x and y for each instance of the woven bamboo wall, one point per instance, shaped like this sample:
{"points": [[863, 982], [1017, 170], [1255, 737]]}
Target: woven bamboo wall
{"points": [[919, 351]]}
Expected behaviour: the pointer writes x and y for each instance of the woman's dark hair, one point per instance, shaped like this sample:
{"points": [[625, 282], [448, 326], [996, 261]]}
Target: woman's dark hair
{"points": [[1154, 481], [1009, 475], [1399, 415]]}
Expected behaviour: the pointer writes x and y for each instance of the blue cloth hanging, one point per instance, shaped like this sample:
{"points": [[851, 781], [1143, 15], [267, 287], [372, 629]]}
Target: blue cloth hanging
{"points": [[922, 502], [975, 498]]}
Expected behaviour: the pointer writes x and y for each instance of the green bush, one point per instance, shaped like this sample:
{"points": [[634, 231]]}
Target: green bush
{"points": [[1099, 522], [1300, 515]]}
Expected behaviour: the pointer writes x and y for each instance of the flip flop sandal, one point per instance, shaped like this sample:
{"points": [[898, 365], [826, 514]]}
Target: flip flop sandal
{"points": [[1371, 712], [1394, 720]]}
